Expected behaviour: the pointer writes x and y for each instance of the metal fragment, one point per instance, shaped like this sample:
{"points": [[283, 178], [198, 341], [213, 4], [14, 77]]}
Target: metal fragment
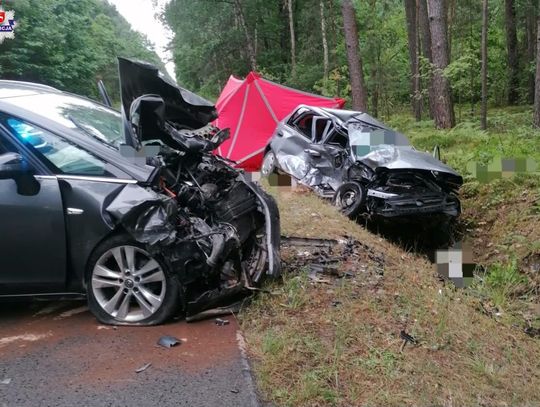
{"points": [[143, 368], [169, 341]]}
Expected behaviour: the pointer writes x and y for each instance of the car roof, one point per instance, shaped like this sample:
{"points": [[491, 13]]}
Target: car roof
{"points": [[18, 88], [343, 116]]}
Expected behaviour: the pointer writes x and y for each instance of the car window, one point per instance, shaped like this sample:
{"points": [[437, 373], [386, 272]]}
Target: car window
{"points": [[77, 113], [6, 146], [338, 139], [64, 156], [297, 114], [304, 125], [322, 127]]}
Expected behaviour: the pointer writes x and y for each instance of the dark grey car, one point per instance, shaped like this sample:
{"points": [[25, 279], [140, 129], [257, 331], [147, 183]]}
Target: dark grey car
{"points": [[364, 166], [142, 237]]}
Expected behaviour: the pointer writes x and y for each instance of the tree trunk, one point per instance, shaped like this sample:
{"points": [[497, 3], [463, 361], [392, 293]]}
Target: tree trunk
{"points": [[531, 47], [425, 40], [537, 80], [451, 14], [293, 38], [249, 41], [412, 35], [358, 89], [443, 106], [324, 44], [512, 51], [483, 110]]}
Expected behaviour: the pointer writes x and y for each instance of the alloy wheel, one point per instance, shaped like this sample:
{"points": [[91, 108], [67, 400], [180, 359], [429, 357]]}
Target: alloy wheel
{"points": [[128, 283]]}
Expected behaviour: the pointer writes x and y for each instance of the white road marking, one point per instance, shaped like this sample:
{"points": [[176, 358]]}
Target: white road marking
{"points": [[25, 337]]}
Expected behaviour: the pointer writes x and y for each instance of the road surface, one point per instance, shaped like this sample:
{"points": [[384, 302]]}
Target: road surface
{"points": [[57, 354]]}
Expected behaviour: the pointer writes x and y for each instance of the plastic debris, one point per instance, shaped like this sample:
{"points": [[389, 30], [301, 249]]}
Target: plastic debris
{"points": [[5, 381], [143, 368], [221, 322], [406, 338], [169, 341]]}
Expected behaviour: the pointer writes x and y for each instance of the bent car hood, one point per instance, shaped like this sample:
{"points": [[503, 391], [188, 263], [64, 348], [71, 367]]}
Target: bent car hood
{"points": [[182, 107], [403, 157]]}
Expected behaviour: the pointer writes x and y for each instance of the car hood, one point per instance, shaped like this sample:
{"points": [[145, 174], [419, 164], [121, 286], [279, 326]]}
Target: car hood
{"points": [[404, 157], [181, 107]]}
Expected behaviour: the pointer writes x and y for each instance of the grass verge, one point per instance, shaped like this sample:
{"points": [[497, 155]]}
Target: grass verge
{"points": [[317, 344]]}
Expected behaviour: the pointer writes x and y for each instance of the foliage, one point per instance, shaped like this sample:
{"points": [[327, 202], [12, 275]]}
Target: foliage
{"points": [[210, 44], [70, 45]]}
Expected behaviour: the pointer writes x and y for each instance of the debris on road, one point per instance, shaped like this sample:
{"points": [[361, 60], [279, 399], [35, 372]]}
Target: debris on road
{"points": [[143, 368], [221, 322], [169, 341], [5, 381]]}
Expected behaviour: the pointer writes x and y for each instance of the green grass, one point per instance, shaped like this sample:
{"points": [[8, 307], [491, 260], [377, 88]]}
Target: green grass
{"points": [[501, 217], [510, 135], [471, 349]]}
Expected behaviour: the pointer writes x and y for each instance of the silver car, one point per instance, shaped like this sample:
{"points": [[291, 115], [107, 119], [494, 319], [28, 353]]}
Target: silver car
{"points": [[365, 167]]}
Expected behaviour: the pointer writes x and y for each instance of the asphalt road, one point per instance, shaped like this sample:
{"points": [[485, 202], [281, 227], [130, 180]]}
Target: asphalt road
{"points": [[57, 354]]}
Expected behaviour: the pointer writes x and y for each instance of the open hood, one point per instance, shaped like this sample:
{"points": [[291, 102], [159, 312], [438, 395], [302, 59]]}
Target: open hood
{"points": [[179, 106]]}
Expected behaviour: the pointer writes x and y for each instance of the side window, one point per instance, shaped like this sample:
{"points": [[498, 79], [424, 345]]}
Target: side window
{"points": [[322, 127], [296, 115], [338, 139], [6, 146], [63, 156], [304, 125]]}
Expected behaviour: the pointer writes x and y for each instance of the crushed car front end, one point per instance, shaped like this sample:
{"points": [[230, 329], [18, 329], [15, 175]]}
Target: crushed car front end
{"points": [[216, 232]]}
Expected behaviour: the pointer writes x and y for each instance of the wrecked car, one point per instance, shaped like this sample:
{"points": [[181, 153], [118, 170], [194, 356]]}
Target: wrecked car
{"points": [[365, 167], [128, 208]]}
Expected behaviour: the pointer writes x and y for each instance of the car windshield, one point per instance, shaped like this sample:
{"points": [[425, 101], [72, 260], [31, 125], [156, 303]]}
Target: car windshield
{"points": [[365, 139], [90, 118]]}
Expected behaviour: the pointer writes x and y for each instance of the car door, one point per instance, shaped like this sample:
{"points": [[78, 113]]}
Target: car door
{"points": [[294, 141], [32, 238], [333, 154]]}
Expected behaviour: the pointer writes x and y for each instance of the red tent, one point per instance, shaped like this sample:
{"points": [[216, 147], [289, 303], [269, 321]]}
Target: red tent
{"points": [[251, 109]]}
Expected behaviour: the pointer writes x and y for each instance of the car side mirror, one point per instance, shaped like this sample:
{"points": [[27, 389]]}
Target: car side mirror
{"points": [[14, 166]]}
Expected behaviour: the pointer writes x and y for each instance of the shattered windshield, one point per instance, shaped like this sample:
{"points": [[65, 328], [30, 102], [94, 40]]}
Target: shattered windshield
{"points": [[365, 139]]}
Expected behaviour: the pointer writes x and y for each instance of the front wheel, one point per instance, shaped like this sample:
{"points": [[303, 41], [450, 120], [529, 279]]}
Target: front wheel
{"points": [[128, 286], [269, 164], [350, 198]]}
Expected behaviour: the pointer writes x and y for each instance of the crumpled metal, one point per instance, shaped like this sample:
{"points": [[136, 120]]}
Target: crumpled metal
{"points": [[145, 214]]}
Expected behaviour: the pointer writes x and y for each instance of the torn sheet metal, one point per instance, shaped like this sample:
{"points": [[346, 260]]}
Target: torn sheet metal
{"points": [[168, 341], [148, 216]]}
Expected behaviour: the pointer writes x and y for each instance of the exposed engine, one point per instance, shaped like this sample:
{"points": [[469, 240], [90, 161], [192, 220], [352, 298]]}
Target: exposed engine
{"points": [[208, 223]]}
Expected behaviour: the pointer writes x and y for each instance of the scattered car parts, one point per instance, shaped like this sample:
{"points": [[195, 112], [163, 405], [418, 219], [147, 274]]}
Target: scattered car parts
{"points": [[168, 342]]}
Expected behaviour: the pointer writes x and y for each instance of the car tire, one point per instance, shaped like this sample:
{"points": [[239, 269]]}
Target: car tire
{"points": [[128, 286], [350, 199], [268, 166]]}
